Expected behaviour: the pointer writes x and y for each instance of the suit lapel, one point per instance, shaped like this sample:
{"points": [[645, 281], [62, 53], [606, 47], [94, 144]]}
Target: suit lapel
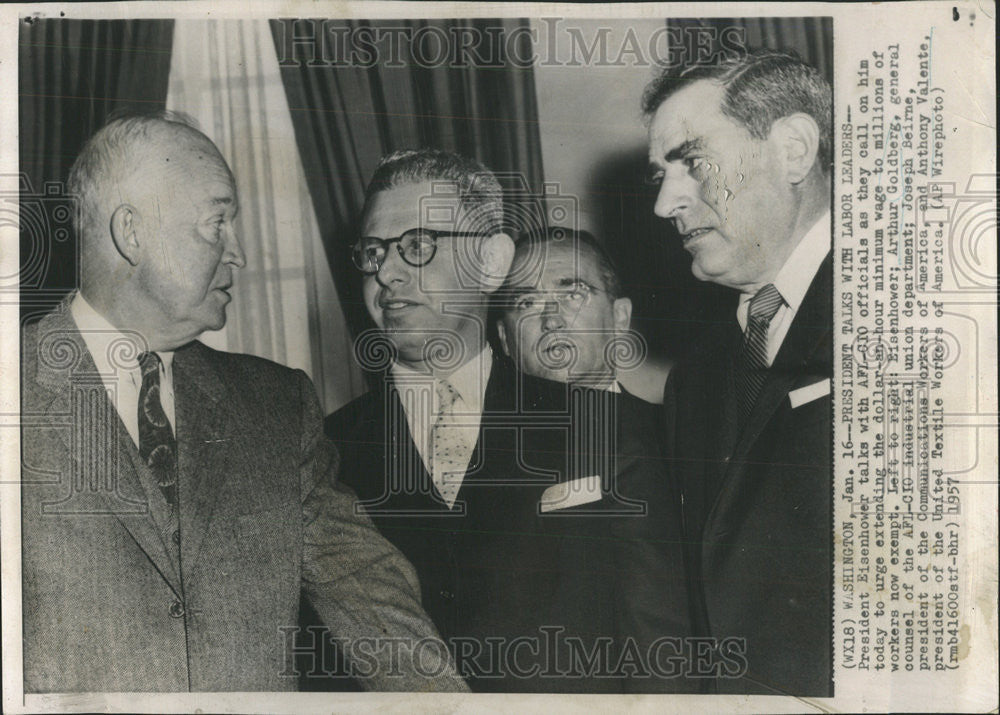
{"points": [[495, 459], [796, 358], [807, 333], [206, 428], [410, 487], [96, 438]]}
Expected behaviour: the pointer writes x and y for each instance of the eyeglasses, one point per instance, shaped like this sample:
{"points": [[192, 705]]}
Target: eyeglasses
{"points": [[416, 246], [572, 298]]}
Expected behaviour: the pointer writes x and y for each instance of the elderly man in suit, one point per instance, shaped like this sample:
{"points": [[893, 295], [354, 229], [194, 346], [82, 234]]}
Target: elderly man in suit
{"points": [[564, 317], [742, 153], [460, 460], [176, 499]]}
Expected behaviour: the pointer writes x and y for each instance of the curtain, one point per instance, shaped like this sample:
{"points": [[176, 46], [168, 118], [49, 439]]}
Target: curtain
{"points": [[810, 37], [285, 308], [347, 116], [72, 74]]}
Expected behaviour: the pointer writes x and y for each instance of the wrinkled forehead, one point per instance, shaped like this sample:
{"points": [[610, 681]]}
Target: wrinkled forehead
{"points": [[687, 116], [552, 264]]}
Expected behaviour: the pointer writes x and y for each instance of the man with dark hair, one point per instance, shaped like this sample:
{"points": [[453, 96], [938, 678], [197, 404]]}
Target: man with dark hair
{"points": [[564, 317], [742, 154], [562, 309], [456, 456], [176, 500]]}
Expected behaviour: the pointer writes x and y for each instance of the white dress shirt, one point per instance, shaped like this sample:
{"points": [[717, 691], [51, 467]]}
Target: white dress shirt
{"points": [[792, 282], [418, 393], [116, 357]]}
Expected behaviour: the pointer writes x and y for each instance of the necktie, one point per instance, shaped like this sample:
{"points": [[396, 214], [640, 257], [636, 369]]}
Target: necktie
{"points": [[156, 440], [447, 463], [751, 362]]}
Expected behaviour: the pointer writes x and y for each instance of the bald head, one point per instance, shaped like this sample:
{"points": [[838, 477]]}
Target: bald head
{"points": [[157, 204]]}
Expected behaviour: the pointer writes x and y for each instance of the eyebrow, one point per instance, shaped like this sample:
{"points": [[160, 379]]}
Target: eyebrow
{"points": [[562, 283], [684, 149], [570, 282]]}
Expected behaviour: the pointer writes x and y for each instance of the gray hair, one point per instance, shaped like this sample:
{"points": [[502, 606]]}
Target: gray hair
{"points": [[761, 87], [105, 158]]}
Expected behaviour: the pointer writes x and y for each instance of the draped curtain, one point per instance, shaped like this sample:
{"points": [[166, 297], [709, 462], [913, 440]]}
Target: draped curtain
{"points": [[347, 116], [810, 37], [72, 74], [285, 308]]}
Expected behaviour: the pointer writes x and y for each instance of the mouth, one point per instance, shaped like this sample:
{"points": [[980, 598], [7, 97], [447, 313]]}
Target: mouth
{"points": [[557, 345], [395, 304], [694, 234]]}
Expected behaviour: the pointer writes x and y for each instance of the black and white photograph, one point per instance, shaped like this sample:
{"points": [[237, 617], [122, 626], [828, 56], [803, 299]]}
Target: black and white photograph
{"points": [[481, 357]]}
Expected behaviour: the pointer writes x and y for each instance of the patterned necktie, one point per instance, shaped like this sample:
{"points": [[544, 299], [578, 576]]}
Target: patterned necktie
{"points": [[751, 362], [157, 446], [447, 464]]}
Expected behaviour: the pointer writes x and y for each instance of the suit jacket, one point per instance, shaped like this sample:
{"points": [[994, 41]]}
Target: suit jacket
{"points": [[757, 504], [498, 567], [107, 604]]}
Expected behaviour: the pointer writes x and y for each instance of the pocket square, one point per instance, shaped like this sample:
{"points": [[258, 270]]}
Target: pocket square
{"points": [[809, 393], [572, 493]]}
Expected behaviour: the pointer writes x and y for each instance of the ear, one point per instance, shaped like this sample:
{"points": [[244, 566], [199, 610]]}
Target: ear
{"points": [[124, 225], [496, 252], [502, 332], [622, 310], [798, 141]]}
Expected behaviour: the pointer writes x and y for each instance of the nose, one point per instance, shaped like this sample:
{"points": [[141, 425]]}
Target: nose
{"points": [[393, 268], [677, 193], [233, 254], [552, 318]]}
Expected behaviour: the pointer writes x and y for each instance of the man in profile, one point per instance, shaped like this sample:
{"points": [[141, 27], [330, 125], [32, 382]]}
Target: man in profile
{"points": [[564, 317], [742, 153], [176, 499]]}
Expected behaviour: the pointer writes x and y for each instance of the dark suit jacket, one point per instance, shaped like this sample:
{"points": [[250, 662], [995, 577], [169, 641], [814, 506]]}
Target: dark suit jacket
{"points": [[105, 605], [504, 570], [757, 505]]}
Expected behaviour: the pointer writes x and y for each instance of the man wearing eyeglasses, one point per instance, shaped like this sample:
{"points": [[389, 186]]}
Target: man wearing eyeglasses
{"points": [[563, 308], [563, 316], [453, 452]]}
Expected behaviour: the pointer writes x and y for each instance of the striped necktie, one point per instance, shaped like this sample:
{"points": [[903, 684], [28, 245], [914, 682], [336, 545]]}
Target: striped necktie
{"points": [[157, 446], [751, 361]]}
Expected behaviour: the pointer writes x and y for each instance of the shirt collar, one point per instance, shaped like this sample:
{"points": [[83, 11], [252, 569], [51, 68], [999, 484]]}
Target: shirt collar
{"points": [[802, 265], [111, 349], [469, 380]]}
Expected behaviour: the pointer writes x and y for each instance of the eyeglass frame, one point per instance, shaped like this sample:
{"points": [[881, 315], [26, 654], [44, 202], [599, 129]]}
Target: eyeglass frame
{"points": [[552, 296], [386, 242]]}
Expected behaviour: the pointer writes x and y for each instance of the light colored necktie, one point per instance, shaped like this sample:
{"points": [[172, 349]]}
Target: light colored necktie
{"points": [[448, 456]]}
